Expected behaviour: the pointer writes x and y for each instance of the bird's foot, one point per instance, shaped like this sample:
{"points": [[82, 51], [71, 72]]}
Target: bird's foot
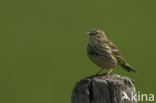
{"points": [[107, 76]]}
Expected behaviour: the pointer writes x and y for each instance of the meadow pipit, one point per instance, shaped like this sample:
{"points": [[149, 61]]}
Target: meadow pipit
{"points": [[104, 53]]}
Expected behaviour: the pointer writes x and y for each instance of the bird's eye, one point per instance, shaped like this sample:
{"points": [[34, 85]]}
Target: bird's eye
{"points": [[96, 32]]}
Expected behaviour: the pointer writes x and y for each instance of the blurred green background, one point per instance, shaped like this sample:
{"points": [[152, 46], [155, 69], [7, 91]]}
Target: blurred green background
{"points": [[43, 45]]}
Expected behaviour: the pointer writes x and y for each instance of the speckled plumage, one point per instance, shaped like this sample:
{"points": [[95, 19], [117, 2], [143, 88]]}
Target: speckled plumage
{"points": [[104, 53], [101, 55]]}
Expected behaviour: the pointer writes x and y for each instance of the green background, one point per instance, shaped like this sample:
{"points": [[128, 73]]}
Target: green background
{"points": [[43, 45]]}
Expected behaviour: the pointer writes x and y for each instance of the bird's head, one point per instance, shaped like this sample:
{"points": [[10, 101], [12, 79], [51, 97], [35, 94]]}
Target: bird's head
{"points": [[97, 34]]}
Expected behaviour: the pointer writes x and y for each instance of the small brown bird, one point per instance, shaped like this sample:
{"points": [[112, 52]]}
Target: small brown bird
{"points": [[104, 53]]}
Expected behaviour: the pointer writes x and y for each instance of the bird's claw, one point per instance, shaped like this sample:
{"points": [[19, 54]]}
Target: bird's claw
{"points": [[107, 76]]}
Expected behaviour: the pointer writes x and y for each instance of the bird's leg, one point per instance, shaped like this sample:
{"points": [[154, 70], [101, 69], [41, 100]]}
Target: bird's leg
{"points": [[99, 71], [109, 72]]}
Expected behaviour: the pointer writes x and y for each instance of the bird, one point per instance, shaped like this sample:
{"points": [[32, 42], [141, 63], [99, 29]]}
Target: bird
{"points": [[104, 53]]}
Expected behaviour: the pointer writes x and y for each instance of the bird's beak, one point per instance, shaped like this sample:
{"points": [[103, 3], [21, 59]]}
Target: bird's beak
{"points": [[88, 33]]}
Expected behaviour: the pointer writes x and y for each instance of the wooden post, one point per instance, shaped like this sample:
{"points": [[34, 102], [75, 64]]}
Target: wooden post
{"points": [[99, 89]]}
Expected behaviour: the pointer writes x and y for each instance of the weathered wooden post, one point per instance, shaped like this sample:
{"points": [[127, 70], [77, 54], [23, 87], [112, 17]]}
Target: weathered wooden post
{"points": [[99, 89]]}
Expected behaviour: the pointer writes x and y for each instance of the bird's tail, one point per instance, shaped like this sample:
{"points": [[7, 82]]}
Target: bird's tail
{"points": [[128, 67]]}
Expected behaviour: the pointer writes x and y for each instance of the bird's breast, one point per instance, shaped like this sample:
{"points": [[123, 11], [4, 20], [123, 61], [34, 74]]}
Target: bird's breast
{"points": [[101, 56]]}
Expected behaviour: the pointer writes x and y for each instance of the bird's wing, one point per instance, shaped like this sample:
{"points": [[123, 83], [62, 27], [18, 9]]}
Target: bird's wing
{"points": [[120, 58], [116, 53]]}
